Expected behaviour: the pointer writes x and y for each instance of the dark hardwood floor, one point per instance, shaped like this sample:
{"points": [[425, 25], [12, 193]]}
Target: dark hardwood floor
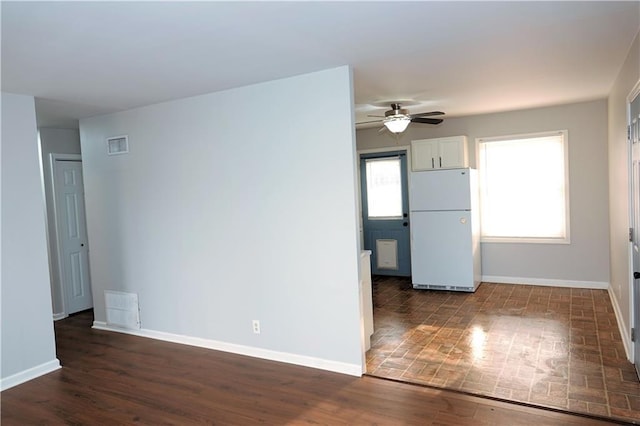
{"points": [[110, 378]]}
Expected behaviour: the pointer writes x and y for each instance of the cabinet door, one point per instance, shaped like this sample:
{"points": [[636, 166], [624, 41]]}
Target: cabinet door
{"points": [[452, 153], [424, 154]]}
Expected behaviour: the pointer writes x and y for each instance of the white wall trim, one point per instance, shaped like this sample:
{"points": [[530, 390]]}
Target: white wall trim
{"points": [[632, 95], [29, 374], [59, 316], [47, 225], [624, 333], [306, 361], [595, 285]]}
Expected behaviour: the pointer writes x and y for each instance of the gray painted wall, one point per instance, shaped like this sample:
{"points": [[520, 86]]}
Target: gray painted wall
{"points": [[27, 325], [55, 141], [628, 77], [225, 210], [586, 259]]}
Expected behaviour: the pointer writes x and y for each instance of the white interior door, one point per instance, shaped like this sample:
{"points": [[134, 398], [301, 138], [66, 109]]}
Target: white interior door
{"points": [[634, 135], [73, 250]]}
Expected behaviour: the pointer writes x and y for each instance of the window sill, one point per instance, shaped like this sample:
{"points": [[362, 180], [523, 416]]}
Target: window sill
{"points": [[514, 240]]}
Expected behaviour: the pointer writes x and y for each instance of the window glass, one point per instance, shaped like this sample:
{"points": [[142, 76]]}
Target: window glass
{"points": [[524, 194], [384, 188]]}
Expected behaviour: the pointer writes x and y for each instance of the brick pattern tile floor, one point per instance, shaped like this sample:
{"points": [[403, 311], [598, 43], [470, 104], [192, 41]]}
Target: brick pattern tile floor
{"points": [[549, 346]]}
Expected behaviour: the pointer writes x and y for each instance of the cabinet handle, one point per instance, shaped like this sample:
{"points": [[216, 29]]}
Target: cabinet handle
{"points": [[440, 161], [433, 166]]}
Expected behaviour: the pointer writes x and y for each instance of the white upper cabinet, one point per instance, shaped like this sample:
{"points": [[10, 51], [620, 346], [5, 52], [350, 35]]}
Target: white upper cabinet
{"points": [[440, 153]]}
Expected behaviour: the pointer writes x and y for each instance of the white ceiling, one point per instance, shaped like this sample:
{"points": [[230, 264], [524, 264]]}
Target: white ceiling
{"points": [[86, 58]]}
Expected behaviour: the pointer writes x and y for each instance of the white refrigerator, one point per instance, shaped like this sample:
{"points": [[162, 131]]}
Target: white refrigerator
{"points": [[445, 230]]}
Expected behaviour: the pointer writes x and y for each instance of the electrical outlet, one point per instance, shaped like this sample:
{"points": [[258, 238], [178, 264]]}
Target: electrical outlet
{"points": [[256, 326]]}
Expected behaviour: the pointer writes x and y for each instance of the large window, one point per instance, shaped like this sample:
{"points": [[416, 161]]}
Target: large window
{"points": [[524, 193]]}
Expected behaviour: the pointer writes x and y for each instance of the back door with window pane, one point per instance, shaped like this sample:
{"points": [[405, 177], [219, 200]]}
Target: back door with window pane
{"points": [[385, 212]]}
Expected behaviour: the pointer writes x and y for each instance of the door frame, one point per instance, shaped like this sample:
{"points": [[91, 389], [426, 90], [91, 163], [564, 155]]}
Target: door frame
{"points": [[53, 163], [635, 92]]}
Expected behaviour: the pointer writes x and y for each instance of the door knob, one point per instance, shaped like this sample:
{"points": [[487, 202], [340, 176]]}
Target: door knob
{"points": [[82, 245], [405, 224], [636, 275]]}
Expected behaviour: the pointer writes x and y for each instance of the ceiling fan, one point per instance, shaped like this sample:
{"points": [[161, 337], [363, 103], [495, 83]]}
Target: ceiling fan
{"points": [[397, 118]]}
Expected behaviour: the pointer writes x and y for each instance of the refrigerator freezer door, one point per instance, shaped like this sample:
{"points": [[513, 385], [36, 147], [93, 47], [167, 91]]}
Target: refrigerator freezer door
{"points": [[441, 250], [440, 190]]}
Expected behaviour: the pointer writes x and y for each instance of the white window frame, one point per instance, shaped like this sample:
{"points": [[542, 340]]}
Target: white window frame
{"points": [[399, 216], [544, 240]]}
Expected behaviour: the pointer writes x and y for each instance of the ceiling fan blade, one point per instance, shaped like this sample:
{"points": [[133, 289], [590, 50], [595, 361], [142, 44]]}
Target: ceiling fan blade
{"points": [[369, 122], [426, 120], [380, 116], [425, 114]]}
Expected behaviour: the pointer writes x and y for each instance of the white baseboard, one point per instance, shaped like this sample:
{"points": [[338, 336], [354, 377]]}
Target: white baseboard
{"points": [[59, 316], [29, 374], [624, 333], [595, 285], [289, 358]]}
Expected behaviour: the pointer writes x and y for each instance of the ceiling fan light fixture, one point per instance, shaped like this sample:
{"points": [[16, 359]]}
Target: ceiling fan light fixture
{"points": [[397, 124]]}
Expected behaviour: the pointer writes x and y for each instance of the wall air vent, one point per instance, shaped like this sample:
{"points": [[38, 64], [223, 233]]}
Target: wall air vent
{"points": [[118, 145], [122, 309]]}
